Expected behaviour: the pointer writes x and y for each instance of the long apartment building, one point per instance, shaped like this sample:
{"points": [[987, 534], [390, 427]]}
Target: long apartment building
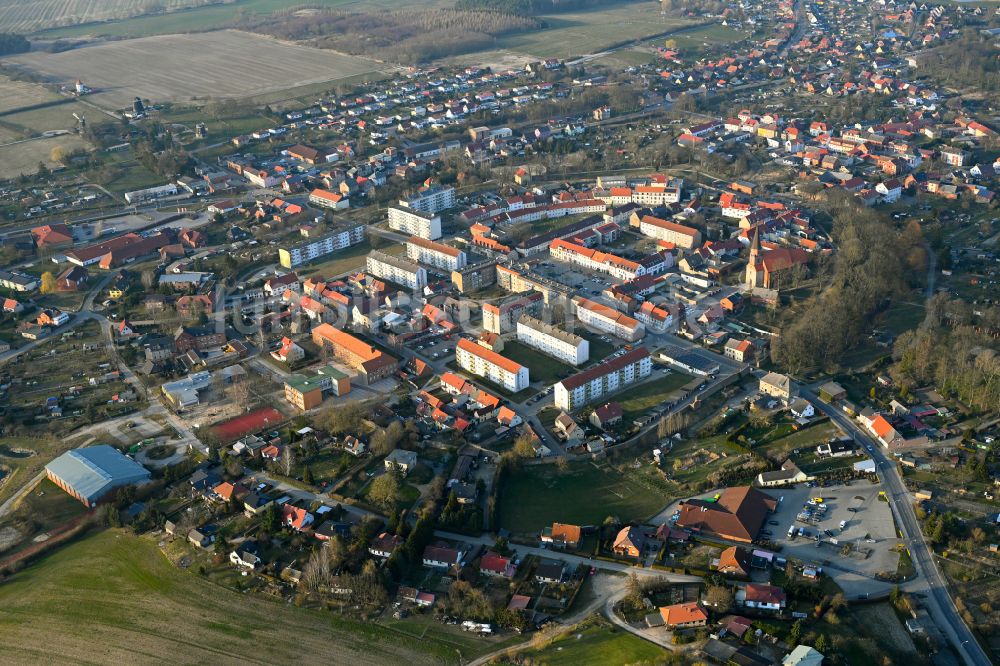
{"points": [[608, 320], [552, 340], [415, 222], [484, 362], [396, 269], [595, 260], [520, 279], [594, 384], [341, 238], [678, 234], [373, 363], [502, 317], [432, 199], [434, 254]]}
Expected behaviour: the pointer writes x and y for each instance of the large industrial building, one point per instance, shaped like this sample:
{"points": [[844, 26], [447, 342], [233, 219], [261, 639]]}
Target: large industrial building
{"points": [[93, 474]]}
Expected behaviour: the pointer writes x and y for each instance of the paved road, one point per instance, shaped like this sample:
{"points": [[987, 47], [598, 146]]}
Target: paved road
{"points": [[929, 583]]}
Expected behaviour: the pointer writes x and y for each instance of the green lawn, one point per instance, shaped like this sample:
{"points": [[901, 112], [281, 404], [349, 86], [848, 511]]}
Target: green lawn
{"points": [[351, 259], [597, 643], [542, 368], [809, 438], [536, 496], [130, 604], [901, 317], [640, 399], [599, 349]]}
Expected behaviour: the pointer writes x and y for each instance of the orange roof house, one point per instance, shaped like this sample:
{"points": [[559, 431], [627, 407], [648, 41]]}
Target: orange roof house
{"points": [[560, 534], [684, 615]]}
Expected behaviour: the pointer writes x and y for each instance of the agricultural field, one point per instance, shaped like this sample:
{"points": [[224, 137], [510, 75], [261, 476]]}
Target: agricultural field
{"points": [[132, 602], [585, 494], [201, 16], [580, 33], [19, 94], [225, 64], [24, 17]]}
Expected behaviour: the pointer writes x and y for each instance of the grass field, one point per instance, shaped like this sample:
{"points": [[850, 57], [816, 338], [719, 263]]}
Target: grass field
{"points": [[224, 64], [597, 643], [708, 35], [542, 368], [902, 316], [536, 496], [23, 467], [130, 605], [19, 158], [640, 399], [580, 33]]}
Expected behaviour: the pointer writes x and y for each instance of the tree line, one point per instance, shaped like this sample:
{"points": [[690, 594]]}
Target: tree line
{"points": [[11, 43], [398, 35]]}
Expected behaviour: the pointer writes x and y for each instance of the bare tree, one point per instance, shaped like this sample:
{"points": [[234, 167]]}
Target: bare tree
{"points": [[288, 458]]}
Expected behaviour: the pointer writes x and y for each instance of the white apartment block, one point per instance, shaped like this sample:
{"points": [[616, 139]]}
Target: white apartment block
{"points": [[396, 269], [304, 252], [431, 199], [415, 222], [655, 195], [552, 341], [678, 234], [598, 382], [608, 320], [595, 260], [484, 362], [434, 254]]}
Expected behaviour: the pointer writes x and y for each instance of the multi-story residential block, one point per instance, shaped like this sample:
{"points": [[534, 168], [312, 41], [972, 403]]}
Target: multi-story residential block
{"points": [[607, 319], [502, 317], [415, 222], [678, 234], [520, 280], [486, 363], [434, 254], [373, 363], [396, 269], [595, 260], [596, 383], [475, 277], [954, 156], [327, 199], [432, 199], [306, 251], [553, 341]]}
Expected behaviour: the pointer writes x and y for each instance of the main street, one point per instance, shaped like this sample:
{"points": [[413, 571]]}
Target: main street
{"points": [[929, 584]]}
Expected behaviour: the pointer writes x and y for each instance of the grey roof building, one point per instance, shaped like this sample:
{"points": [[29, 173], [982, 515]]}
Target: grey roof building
{"points": [[91, 474]]}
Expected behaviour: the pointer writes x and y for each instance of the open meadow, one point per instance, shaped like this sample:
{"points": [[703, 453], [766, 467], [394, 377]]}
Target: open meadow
{"points": [[19, 94], [130, 605], [225, 64], [585, 494]]}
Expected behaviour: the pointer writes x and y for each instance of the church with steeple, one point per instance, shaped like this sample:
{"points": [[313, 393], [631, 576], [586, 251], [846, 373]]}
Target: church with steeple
{"points": [[764, 268]]}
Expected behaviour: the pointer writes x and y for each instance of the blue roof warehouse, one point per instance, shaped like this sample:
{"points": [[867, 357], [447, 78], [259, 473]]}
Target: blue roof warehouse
{"points": [[93, 473]]}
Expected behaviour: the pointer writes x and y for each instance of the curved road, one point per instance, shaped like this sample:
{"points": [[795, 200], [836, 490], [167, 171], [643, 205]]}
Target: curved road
{"points": [[929, 583]]}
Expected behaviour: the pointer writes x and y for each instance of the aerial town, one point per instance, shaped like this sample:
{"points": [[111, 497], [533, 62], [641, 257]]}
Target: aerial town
{"points": [[629, 332]]}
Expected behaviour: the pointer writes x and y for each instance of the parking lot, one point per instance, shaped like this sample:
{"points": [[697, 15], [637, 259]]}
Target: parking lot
{"points": [[868, 528]]}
